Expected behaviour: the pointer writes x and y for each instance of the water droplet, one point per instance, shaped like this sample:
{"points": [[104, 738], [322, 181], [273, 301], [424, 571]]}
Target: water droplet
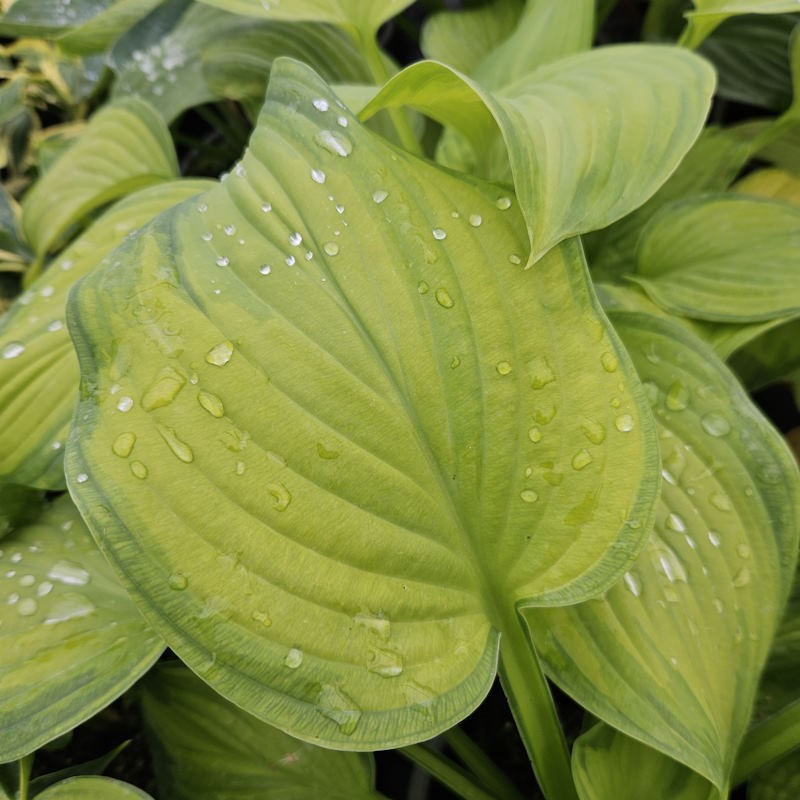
{"points": [[266, 207], [320, 103], [375, 624], [222, 261], [295, 238], [476, 220], [535, 434], [545, 415], [741, 578], [44, 588], [528, 496], [12, 350], [178, 581], [139, 470], [290, 261], [341, 122], [240, 467], [594, 431], [675, 523], [714, 424], [439, 234], [720, 501], [503, 368], [713, 537], [27, 607], [609, 362], [769, 473], [68, 572], [455, 362], [212, 404], [27, 580], [294, 658], [624, 423], [261, 617], [379, 195], [671, 565], [503, 203], [743, 550], [633, 584], [385, 663], [677, 396], [670, 595], [334, 704], [180, 449], [81, 477], [581, 460], [125, 404], [651, 353], [281, 495], [326, 453], [229, 230], [318, 176], [444, 299], [265, 269], [164, 390], [513, 258], [541, 372], [422, 287], [55, 325], [220, 354], [68, 606], [123, 444]]}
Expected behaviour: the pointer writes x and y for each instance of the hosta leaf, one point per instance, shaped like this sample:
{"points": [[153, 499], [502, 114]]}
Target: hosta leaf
{"points": [[672, 653], [126, 146], [708, 14], [348, 437], [366, 17], [71, 640], [461, 39], [205, 748], [607, 764], [38, 368], [94, 786], [778, 781], [576, 130], [775, 183], [773, 356], [49, 17], [725, 258], [18, 504]]}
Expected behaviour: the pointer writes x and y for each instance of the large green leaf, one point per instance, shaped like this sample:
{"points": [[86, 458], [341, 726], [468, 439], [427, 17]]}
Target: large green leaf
{"points": [[126, 146], [94, 787], [778, 781], [205, 748], [577, 130], [49, 17], [18, 505], [101, 31], [672, 653], [71, 640], [708, 14], [38, 368], [367, 440], [607, 764], [725, 258]]}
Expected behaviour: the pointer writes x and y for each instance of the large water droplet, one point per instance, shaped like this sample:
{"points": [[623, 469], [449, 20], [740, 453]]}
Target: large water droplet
{"points": [[164, 390], [633, 583], [541, 372], [334, 142], [212, 404], [720, 501], [503, 368], [385, 663], [528, 496], [125, 404], [677, 396], [220, 354], [475, 220], [331, 248], [68, 606], [139, 470], [375, 624], [281, 496], [439, 233], [334, 704], [320, 103], [318, 176], [581, 459], [535, 434], [12, 350], [69, 573], [27, 607], [443, 298], [222, 261], [594, 431], [503, 203], [123, 444], [294, 658], [624, 423], [178, 581], [675, 523], [714, 424], [671, 565], [379, 195], [179, 448], [609, 362]]}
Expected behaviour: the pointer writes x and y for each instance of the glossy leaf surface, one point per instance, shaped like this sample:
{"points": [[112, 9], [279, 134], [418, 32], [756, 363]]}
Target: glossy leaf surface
{"points": [[708, 14], [725, 258], [607, 764], [346, 438], [38, 367], [566, 126], [672, 653], [126, 146], [205, 748], [71, 640], [94, 787]]}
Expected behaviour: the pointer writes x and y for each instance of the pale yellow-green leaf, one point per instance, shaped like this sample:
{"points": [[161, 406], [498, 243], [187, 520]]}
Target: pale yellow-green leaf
{"points": [[360, 436], [93, 787], [774, 183], [671, 654], [38, 368], [708, 14], [98, 33], [71, 640]]}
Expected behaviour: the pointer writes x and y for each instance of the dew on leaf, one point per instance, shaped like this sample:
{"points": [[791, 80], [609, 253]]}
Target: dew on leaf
{"points": [[326, 453], [379, 195], [27, 580], [139, 470], [266, 207], [12, 350], [44, 588], [81, 477], [55, 325], [439, 234], [677, 396], [422, 287], [375, 624], [178, 581], [262, 618], [265, 269], [212, 404], [713, 537], [281, 496], [513, 258], [632, 583], [541, 372], [671, 565], [385, 663], [220, 354], [341, 122], [125, 404], [581, 459], [720, 501], [675, 523], [594, 431], [503, 368], [27, 607], [295, 238], [68, 606], [476, 220], [714, 424], [334, 142], [123, 444], [609, 362], [334, 704], [528, 496], [503, 203], [741, 578], [443, 298], [624, 423], [294, 658], [320, 103], [318, 176], [331, 248], [164, 390], [743, 550], [290, 261], [68, 573], [222, 261], [179, 448], [455, 362]]}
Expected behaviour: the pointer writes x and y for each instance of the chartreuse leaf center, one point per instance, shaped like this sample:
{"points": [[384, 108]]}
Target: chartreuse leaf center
{"points": [[331, 434]]}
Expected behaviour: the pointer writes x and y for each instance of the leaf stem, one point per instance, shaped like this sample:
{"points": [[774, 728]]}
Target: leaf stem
{"points": [[482, 767], [445, 771], [25, 766], [773, 738], [534, 710], [377, 66]]}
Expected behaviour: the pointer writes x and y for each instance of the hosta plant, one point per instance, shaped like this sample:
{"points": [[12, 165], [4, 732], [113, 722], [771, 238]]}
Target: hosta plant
{"points": [[428, 387]]}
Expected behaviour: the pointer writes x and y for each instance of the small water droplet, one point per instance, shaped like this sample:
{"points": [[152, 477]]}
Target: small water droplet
{"points": [[320, 103], [670, 595], [503, 368], [262, 618], [125, 404], [13, 350], [69, 573], [27, 580], [165, 389], [334, 704], [220, 354], [741, 578], [541, 372], [27, 607], [385, 663], [265, 269], [743, 550], [503, 203], [633, 584], [139, 470], [326, 453], [439, 234], [624, 423], [513, 258], [609, 362], [290, 261], [331, 248], [379, 195], [123, 444], [713, 537], [318, 176], [528, 496], [594, 431], [422, 287], [222, 261], [455, 362], [375, 624], [266, 207], [240, 467], [178, 581], [179, 448], [281, 495], [443, 298], [295, 238], [714, 424], [545, 415], [212, 404], [675, 523], [535, 434], [720, 501], [341, 122], [677, 396], [581, 460], [229, 230], [476, 220], [44, 588], [294, 658], [671, 565], [769, 473], [55, 325], [81, 477]]}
